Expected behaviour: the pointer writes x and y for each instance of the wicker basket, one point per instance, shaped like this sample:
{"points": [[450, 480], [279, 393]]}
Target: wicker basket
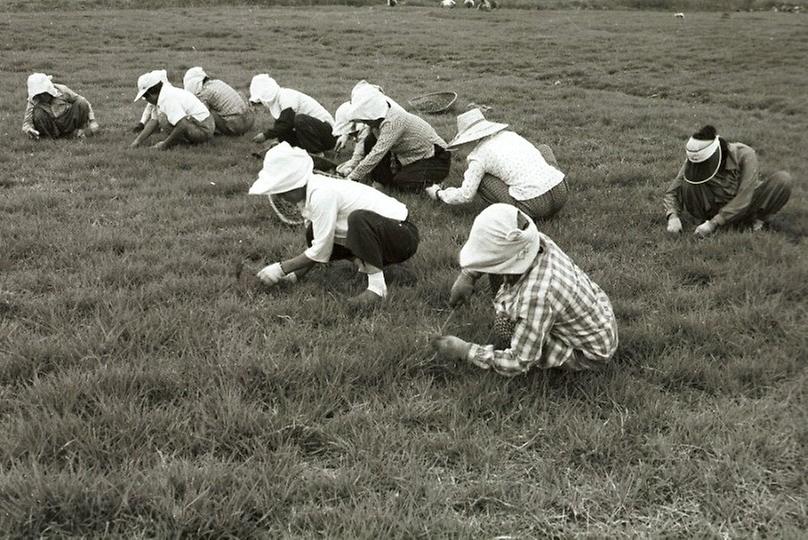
{"points": [[434, 103]]}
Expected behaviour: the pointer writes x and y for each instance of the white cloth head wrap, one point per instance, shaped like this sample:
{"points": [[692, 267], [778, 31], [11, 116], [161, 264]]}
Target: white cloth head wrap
{"points": [[39, 83], [368, 103], [264, 89], [285, 168], [147, 80], [497, 245], [343, 125], [698, 150], [192, 81]]}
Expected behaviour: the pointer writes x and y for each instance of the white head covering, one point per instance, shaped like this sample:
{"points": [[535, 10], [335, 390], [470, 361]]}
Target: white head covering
{"points": [[264, 89], [285, 168], [703, 160], [342, 123], [39, 83], [192, 81], [363, 83], [368, 103], [472, 126], [147, 80], [698, 150], [497, 245]]}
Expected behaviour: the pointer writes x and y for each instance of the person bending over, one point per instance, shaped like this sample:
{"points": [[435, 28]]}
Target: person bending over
{"points": [[549, 313], [299, 119], [54, 111], [190, 120], [346, 220], [401, 150], [503, 167], [721, 185], [231, 113]]}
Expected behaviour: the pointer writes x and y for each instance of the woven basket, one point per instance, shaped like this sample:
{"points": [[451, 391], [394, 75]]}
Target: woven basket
{"points": [[434, 103]]}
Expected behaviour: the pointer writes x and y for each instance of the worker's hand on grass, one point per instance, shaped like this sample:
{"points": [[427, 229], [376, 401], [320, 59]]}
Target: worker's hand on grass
{"points": [[160, 146], [674, 225], [705, 229], [271, 275], [432, 191], [80, 134], [259, 138], [31, 132], [450, 347], [341, 142], [344, 169], [462, 289], [93, 128]]}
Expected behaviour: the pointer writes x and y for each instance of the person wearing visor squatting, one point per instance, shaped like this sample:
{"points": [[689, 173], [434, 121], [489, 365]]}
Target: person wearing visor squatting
{"points": [[720, 184], [346, 220]]}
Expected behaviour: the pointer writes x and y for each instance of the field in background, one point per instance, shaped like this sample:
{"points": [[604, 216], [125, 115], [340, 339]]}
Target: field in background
{"points": [[142, 395]]}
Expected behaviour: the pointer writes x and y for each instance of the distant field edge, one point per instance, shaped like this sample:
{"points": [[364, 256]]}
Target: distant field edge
{"points": [[652, 5]]}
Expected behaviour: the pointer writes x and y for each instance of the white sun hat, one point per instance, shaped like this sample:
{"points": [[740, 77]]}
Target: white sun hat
{"points": [[264, 89], [368, 103], [147, 80], [285, 168], [343, 125], [39, 83], [472, 126], [497, 245], [192, 81]]}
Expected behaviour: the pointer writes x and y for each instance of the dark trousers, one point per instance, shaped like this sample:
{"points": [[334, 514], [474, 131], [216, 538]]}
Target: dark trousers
{"points": [[413, 177], [303, 131], [76, 117], [375, 239], [770, 196]]}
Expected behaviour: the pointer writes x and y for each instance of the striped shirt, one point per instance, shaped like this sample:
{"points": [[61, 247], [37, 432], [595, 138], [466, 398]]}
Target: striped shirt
{"points": [[557, 311], [408, 137], [58, 106], [220, 98]]}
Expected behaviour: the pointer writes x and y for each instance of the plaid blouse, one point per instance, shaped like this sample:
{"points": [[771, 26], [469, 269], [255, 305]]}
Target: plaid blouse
{"points": [[219, 97], [557, 311], [407, 136]]}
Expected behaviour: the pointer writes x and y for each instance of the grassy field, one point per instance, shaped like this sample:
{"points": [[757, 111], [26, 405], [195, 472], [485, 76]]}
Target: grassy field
{"points": [[143, 395]]}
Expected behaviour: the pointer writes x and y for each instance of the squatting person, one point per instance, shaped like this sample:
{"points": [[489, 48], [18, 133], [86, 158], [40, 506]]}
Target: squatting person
{"points": [[231, 113], [401, 150], [299, 119], [53, 110], [348, 220], [549, 312], [190, 121], [720, 184], [504, 167]]}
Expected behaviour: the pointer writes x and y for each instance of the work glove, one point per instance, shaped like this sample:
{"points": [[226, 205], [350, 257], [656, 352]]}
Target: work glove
{"points": [[344, 169], [450, 347], [259, 138], [160, 146], [342, 140], [462, 289], [93, 128], [31, 132], [80, 134], [674, 225], [271, 275], [432, 191], [705, 229]]}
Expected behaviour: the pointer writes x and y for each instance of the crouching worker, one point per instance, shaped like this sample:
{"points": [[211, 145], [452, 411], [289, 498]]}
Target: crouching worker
{"points": [[54, 110], [231, 114], [549, 313], [401, 150], [348, 220], [190, 120], [505, 168], [299, 119], [720, 184]]}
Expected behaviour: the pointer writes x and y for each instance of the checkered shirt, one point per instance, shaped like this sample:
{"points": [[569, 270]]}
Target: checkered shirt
{"points": [[221, 98]]}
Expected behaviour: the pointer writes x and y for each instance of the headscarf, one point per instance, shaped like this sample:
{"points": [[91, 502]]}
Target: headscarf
{"points": [[39, 83], [264, 89], [368, 103], [192, 81], [497, 245], [343, 125], [147, 80], [285, 168]]}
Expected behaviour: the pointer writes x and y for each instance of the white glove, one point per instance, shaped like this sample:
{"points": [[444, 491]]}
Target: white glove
{"points": [[342, 140], [432, 191], [451, 347], [705, 229], [462, 289], [93, 128], [259, 138], [344, 169], [271, 275], [674, 224], [31, 132]]}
